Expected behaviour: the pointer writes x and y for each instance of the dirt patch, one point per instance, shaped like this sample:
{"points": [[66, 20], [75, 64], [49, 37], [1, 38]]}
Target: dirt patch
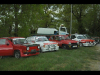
{"points": [[95, 64], [58, 66]]}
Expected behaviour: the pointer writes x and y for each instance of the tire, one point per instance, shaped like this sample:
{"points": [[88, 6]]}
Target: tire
{"points": [[1, 57], [41, 50], [81, 45], [17, 54], [64, 46]]}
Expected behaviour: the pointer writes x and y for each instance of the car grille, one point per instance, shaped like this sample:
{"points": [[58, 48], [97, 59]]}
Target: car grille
{"points": [[51, 46], [73, 44]]}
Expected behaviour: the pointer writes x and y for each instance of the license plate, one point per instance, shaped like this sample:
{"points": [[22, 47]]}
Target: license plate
{"points": [[74, 46], [33, 50]]}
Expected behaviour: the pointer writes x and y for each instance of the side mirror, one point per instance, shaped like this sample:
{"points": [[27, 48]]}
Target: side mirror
{"points": [[7, 44]]}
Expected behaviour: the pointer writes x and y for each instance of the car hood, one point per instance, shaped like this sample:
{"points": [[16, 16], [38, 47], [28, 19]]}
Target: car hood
{"points": [[45, 43], [67, 41], [86, 40], [30, 45]]}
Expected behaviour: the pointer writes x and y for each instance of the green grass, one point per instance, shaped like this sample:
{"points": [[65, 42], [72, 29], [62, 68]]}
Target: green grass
{"points": [[62, 60]]}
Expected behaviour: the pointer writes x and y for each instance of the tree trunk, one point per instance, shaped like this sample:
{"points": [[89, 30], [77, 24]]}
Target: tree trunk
{"points": [[16, 19]]}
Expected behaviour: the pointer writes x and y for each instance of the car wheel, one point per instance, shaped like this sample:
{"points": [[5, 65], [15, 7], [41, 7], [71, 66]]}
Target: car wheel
{"points": [[40, 50], [81, 45], [1, 57], [17, 54], [64, 46]]}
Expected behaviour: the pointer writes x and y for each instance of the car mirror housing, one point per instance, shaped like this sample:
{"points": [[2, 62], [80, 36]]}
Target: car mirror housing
{"points": [[7, 44]]}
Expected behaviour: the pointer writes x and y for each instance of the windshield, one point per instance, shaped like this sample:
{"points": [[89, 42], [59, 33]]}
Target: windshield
{"points": [[64, 37], [2, 41], [81, 37], [19, 41], [63, 29], [87, 36], [41, 39], [67, 38]]}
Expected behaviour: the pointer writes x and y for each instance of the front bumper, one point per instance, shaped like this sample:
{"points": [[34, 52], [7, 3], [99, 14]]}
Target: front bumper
{"points": [[33, 52], [72, 46], [50, 48], [88, 44]]}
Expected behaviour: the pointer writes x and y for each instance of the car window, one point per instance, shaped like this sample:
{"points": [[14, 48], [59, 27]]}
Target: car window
{"points": [[41, 39], [56, 37], [2, 41], [63, 29], [52, 38], [28, 39], [81, 37], [67, 38], [73, 37]]}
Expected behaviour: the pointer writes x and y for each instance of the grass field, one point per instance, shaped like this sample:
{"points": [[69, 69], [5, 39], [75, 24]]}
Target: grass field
{"points": [[62, 60]]}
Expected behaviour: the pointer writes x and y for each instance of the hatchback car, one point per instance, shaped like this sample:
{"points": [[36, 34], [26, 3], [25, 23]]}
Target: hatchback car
{"points": [[45, 44], [16, 46], [83, 41]]}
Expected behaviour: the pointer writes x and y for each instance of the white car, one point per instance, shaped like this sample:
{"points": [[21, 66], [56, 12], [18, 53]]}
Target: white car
{"points": [[45, 44], [83, 40]]}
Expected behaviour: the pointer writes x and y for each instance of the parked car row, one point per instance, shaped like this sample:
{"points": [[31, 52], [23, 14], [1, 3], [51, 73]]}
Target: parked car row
{"points": [[33, 45]]}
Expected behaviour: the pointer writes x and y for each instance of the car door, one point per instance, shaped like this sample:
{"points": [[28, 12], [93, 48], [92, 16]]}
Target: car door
{"points": [[55, 39], [6, 48]]}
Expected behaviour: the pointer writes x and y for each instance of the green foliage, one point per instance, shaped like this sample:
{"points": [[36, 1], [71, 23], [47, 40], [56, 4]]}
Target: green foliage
{"points": [[24, 19]]}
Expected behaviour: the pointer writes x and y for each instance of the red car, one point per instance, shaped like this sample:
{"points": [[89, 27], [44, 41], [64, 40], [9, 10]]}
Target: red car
{"points": [[16, 46], [64, 41]]}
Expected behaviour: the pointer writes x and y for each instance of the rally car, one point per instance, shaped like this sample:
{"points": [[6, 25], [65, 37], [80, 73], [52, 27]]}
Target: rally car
{"points": [[83, 41], [64, 41], [45, 44], [16, 46]]}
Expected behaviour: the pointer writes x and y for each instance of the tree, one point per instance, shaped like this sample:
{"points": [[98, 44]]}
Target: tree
{"points": [[79, 11]]}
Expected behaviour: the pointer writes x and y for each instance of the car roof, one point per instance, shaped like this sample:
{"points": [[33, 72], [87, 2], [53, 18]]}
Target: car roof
{"points": [[77, 34], [59, 35], [37, 36]]}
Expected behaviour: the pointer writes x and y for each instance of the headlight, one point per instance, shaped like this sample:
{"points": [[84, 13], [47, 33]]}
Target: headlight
{"points": [[43, 45], [38, 46], [27, 48], [77, 42], [69, 43]]}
